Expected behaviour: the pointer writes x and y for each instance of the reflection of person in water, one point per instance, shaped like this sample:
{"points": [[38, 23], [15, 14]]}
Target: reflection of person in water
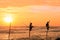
{"points": [[30, 27], [47, 25]]}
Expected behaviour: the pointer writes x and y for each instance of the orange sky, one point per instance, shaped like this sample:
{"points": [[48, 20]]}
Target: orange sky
{"points": [[36, 11]]}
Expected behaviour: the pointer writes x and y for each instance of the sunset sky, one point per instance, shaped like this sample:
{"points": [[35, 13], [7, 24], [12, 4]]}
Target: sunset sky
{"points": [[25, 11]]}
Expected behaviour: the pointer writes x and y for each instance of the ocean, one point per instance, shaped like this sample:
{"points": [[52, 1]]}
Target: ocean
{"points": [[37, 33]]}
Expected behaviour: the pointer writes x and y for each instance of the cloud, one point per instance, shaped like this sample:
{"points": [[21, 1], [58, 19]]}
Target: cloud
{"points": [[33, 9], [43, 8]]}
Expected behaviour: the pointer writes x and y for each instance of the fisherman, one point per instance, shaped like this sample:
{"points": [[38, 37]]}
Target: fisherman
{"points": [[30, 27], [47, 25]]}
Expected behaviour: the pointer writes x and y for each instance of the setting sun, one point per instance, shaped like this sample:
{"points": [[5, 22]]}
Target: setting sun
{"points": [[8, 18]]}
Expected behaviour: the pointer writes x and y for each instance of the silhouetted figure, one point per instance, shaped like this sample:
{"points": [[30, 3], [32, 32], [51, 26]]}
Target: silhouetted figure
{"points": [[58, 39], [30, 29], [47, 26]]}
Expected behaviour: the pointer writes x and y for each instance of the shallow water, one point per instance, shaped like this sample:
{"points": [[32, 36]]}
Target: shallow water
{"points": [[36, 33]]}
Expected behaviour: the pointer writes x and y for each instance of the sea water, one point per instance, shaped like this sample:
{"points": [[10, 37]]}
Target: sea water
{"points": [[36, 33]]}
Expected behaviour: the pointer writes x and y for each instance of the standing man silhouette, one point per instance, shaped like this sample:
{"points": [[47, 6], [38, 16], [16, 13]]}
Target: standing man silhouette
{"points": [[47, 25], [30, 29]]}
